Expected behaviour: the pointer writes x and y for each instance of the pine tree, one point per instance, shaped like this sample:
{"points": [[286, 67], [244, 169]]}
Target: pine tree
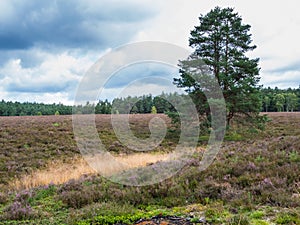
{"points": [[221, 41]]}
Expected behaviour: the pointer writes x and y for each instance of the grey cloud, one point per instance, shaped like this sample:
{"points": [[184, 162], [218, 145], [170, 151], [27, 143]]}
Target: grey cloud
{"points": [[40, 87], [29, 58], [74, 24]]}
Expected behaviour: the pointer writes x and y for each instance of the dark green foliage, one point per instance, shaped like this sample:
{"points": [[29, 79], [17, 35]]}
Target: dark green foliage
{"points": [[144, 104], [103, 107], [29, 109], [276, 100]]}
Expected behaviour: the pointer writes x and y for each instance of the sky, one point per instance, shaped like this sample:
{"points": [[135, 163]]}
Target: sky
{"points": [[46, 47]]}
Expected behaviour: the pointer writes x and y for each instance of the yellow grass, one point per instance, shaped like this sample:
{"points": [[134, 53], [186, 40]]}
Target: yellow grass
{"points": [[108, 165], [58, 172]]}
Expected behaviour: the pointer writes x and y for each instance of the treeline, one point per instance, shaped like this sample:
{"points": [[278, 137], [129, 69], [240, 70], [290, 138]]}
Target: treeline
{"points": [[142, 104], [273, 100], [280, 100], [10, 108]]}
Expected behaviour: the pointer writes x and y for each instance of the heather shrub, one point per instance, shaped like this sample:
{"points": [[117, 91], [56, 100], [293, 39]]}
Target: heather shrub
{"points": [[20, 208], [75, 199], [79, 198], [23, 196], [71, 185], [18, 211]]}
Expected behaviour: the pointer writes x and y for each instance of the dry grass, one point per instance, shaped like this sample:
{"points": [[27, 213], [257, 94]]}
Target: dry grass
{"points": [[108, 165], [58, 172]]}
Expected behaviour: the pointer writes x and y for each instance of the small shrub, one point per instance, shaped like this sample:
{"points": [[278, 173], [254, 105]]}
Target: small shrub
{"points": [[71, 185], [23, 196], [294, 156], [287, 219], [78, 199], [44, 192], [3, 198], [259, 158], [216, 213], [239, 220], [18, 211], [75, 199], [26, 146], [257, 215]]}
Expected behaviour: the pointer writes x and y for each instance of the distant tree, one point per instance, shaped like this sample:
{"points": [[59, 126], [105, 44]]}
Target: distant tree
{"points": [[153, 110], [222, 41], [134, 109], [103, 107], [291, 101], [88, 108], [266, 103], [56, 113], [147, 103], [279, 102]]}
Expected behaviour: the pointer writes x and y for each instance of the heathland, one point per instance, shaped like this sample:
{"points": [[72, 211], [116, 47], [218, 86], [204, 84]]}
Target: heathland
{"points": [[44, 179]]}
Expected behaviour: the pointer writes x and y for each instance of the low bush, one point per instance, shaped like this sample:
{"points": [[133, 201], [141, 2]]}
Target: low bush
{"points": [[18, 211]]}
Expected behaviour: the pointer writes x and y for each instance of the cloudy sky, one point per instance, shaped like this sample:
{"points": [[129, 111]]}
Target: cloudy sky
{"points": [[47, 46]]}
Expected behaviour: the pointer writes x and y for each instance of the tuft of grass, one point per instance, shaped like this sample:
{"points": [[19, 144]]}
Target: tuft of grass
{"points": [[56, 124], [294, 156], [257, 215], [288, 218]]}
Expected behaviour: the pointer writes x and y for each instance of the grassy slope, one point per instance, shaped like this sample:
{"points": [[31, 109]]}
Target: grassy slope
{"points": [[252, 181]]}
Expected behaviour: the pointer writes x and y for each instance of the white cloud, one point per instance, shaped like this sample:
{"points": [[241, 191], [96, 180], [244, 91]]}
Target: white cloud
{"points": [[54, 79]]}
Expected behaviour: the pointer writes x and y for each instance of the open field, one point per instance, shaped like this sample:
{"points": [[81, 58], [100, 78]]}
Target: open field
{"points": [[32, 142], [44, 180]]}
